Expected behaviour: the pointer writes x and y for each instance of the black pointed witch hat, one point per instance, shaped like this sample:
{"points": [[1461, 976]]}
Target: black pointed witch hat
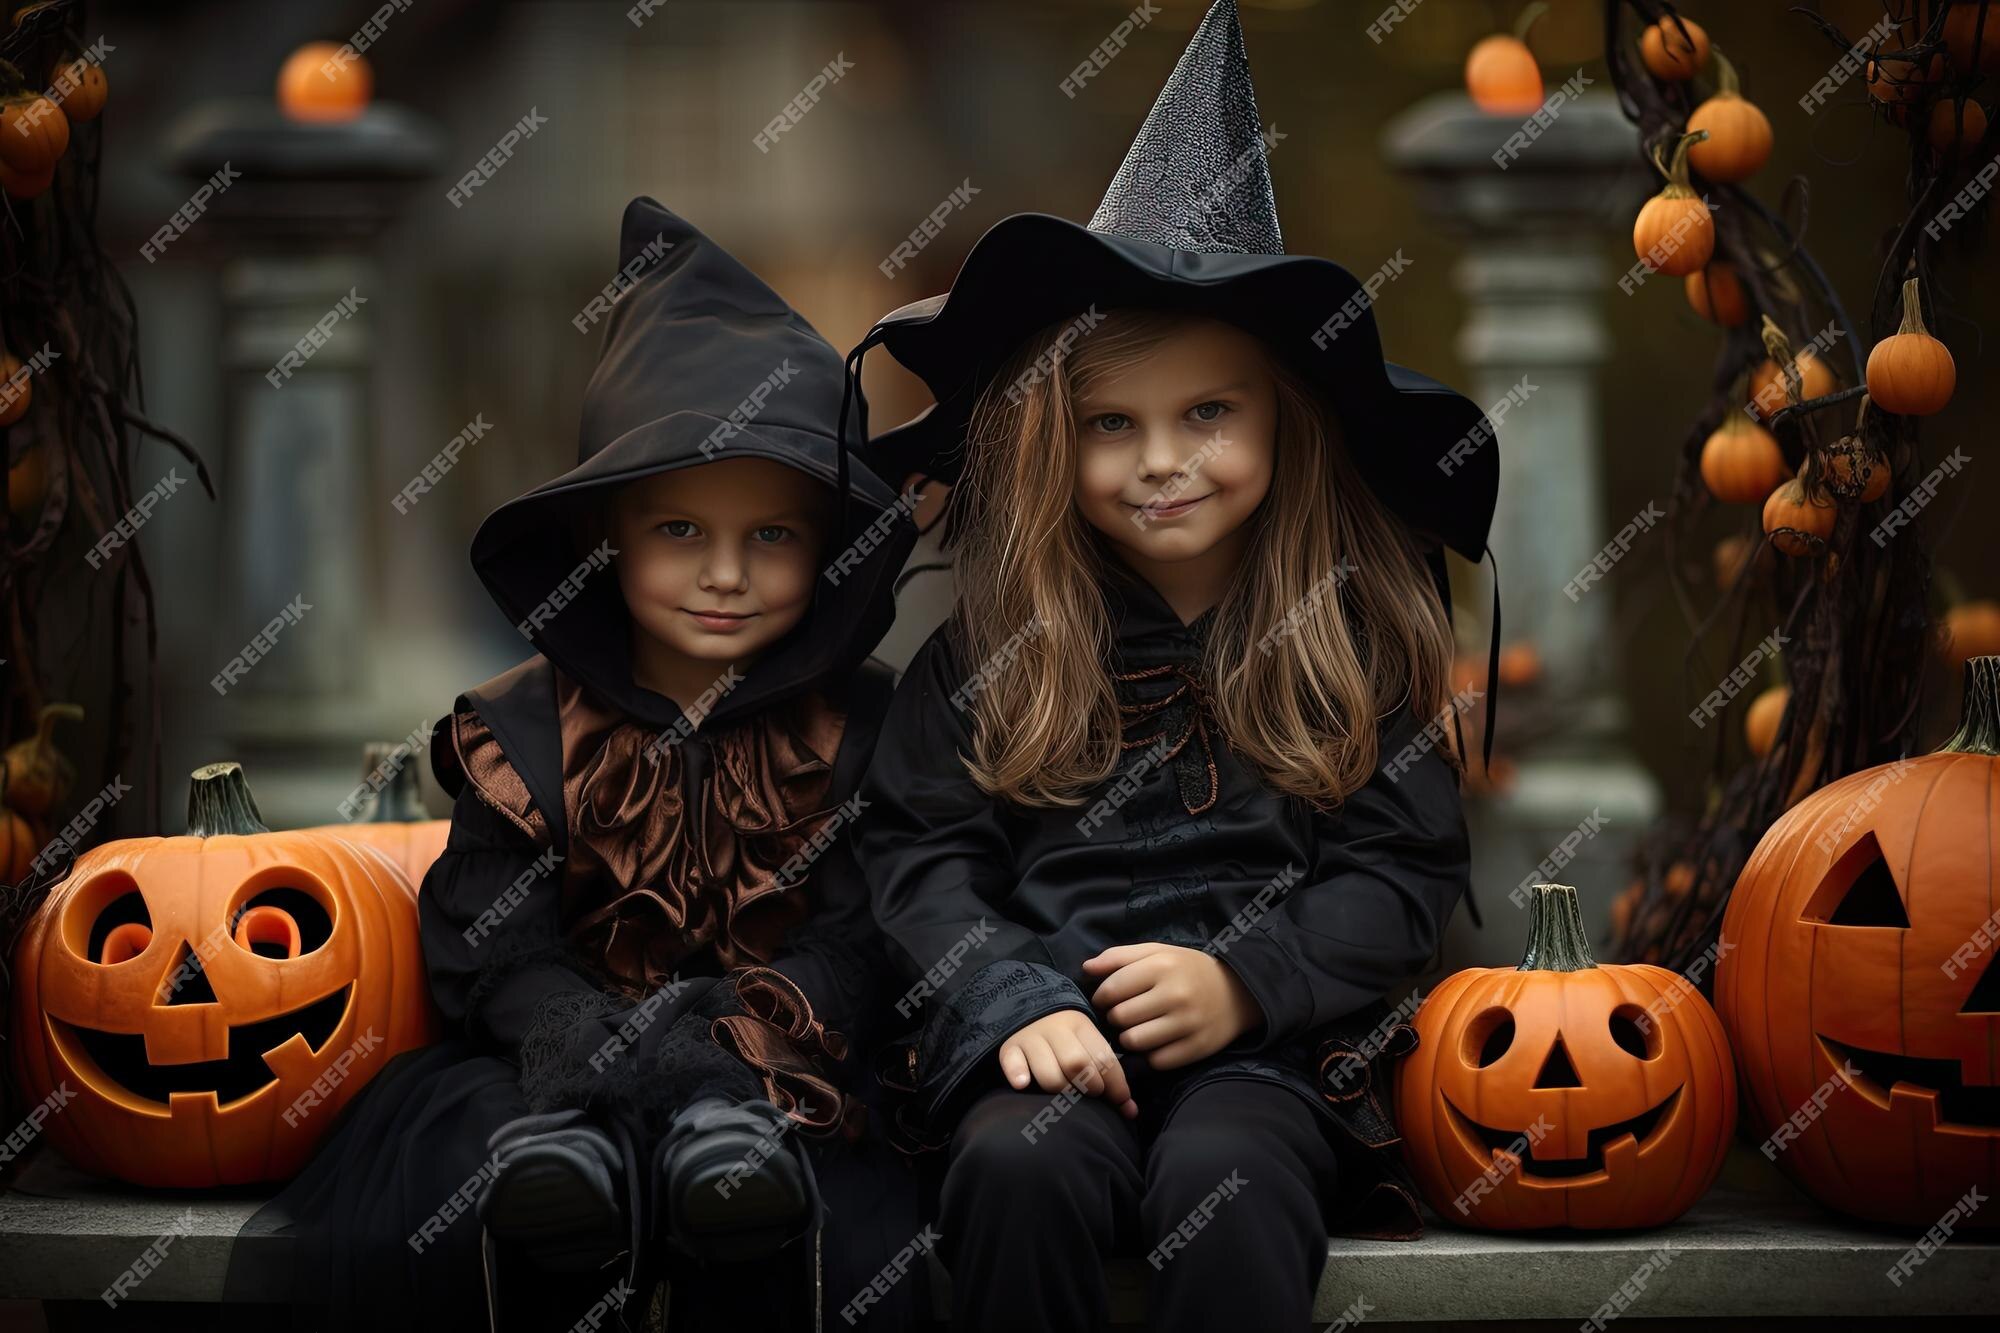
{"points": [[1190, 223]]}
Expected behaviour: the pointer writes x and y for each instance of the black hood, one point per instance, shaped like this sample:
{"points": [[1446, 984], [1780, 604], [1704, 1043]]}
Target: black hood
{"points": [[701, 362]]}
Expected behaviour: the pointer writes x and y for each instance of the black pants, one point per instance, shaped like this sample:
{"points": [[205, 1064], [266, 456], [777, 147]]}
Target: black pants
{"points": [[1223, 1204]]}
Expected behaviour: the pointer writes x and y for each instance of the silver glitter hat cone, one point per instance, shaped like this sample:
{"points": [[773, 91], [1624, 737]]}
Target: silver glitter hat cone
{"points": [[1195, 177]]}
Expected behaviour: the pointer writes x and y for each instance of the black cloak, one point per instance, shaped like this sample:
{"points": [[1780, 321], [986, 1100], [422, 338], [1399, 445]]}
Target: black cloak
{"points": [[382, 1219]]}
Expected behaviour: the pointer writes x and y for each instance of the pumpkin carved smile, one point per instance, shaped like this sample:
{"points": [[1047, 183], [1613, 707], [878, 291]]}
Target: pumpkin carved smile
{"points": [[120, 1057], [1886, 1076], [1601, 1144]]}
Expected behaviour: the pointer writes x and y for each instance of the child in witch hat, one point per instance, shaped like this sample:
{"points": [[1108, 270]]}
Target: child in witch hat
{"points": [[647, 932], [1178, 762]]}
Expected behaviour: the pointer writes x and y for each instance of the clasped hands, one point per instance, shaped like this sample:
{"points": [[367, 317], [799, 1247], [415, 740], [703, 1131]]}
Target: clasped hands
{"points": [[1173, 1004]]}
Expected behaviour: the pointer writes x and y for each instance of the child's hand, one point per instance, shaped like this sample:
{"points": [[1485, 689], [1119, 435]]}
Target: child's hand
{"points": [[1178, 1004], [1063, 1048]]}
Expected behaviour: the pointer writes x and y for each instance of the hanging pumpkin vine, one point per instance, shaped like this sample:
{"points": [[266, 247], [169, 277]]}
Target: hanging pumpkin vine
{"points": [[1852, 613], [70, 426]]}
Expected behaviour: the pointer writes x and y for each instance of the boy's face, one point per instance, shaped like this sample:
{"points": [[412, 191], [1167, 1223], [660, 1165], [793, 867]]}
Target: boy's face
{"points": [[717, 561], [1175, 453]]}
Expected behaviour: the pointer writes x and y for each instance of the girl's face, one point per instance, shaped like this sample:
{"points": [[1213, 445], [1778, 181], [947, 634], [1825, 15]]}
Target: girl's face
{"points": [[717, 561], [1175, 452]]}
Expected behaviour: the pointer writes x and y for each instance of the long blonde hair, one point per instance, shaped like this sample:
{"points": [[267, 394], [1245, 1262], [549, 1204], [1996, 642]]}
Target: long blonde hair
{"points": [[1330, 622]]}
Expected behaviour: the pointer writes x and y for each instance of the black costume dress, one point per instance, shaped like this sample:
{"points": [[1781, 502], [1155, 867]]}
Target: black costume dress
{"points": [[1318, 914], [636, 909]]}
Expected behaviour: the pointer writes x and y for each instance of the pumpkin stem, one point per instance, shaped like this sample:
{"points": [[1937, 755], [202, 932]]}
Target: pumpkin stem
{"points": [[1527, 19], [219, 802], [401, 801], [1557, 941], [1979, 731], [1676, 171], [51, 714], [1913, 310], [1861, 417], [1726, 84]]}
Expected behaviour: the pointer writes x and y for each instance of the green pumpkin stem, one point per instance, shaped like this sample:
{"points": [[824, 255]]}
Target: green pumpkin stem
{"points": [[401, 801], [1557, 941], [219, 802], [1979, 732], [1527, 19]]}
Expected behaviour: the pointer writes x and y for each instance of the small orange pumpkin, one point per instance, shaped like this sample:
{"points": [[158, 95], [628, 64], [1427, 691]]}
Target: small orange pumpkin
{"points": [[1520, 664], [1856, 469], [1739, 134], [1770, 392], [1962, 28], [1674, 49], [1761, 719], [1716, 294], [34, 775], [1673, 233], [1971, 629], [393, 821], [319, 84], [81, 89], [1501, 75], [33, 134], [25, 184], [1911, 373], [1564, 1092], [1958, 125], [27, 484], [1897, 85], [1796, 524], [1742, 463], [17, 389]]}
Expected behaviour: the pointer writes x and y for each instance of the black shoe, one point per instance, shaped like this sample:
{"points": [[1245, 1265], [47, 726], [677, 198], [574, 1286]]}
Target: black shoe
{"points": [[735, 1186], [555, 1197]]}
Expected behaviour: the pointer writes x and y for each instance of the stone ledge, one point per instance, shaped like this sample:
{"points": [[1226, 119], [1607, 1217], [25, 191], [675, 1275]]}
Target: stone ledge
{"points": [[1747, 1250]]}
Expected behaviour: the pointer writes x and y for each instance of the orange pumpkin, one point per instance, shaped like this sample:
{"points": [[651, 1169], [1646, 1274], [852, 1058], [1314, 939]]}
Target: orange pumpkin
{"points": [[1679, 880], [1565, 1093], [33, 134], [1622, 907], [25, 184], [27, 484], [1673, 233], [1909, 372], [1963, 31], [1674, 49], [1520, 664], [393, 821], [1858, 474], [1770, 390], [1897, 85], [18, 847], [1716, 294], [81, 89], [1958, 125], [1501, 74], [1796, 524], [212, 1000], [34, 775], [17, 389], [319, 84], [1971, 629], [1762, 719], [1741, 463], [1739, 135], [1857, 980]]}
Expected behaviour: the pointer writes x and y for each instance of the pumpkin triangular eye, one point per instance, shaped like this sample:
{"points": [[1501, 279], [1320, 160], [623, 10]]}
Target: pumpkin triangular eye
{"points": [[1985, 997], [1859, 891], [1557, 1071]]}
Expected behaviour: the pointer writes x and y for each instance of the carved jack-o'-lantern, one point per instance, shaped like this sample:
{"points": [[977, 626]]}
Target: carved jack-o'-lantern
{"points": [[1862, 996], [393, 820], [1563, 1093], [202, 1006]]}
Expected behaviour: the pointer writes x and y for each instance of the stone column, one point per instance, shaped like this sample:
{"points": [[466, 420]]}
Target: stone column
{"points": [[294, 229], [1534, 277]]}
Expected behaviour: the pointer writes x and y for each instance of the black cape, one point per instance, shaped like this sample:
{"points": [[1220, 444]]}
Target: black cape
{"points": [[383, 1225], [1320, 915]]}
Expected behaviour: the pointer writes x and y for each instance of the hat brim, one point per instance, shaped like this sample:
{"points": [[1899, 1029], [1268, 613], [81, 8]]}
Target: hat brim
{"points": [[1427, 450]]}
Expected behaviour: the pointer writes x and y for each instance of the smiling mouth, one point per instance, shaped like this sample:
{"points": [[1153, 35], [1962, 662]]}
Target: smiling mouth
{"points": [[1884, 1075], [120, 1057], [1497, 1141], [720, 620], [1174, 509]]}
